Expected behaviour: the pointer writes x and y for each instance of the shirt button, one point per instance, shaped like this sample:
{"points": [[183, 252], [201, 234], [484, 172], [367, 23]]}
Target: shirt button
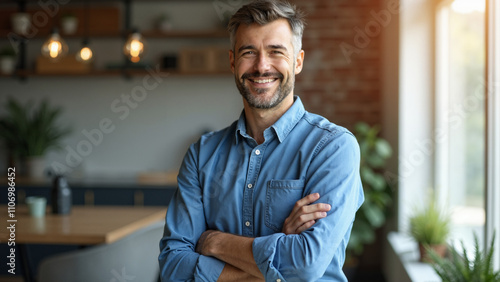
{"points": [[250, 186], [257, 152], [278, 280], [247, 223]]}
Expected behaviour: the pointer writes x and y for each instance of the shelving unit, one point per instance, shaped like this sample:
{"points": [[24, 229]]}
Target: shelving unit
{"points": [[124, 26]]}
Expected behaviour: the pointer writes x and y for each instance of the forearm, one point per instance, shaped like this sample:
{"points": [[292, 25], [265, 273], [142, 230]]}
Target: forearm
{"points": [[231, 273], [231, 249]]}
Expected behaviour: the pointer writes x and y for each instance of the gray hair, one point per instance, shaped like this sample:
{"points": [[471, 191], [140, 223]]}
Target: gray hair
{"points": [[265, 11]]}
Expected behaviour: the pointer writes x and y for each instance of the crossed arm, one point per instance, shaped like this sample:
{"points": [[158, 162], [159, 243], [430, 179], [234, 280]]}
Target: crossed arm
{"points": [[236, 251]]}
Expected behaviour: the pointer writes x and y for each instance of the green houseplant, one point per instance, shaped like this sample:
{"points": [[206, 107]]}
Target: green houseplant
{"points": [[430, 227], [459, 268], [378, 194], [30, 131]]}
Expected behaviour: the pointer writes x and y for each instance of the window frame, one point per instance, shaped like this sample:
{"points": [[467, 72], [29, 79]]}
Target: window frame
{"points": [[492, 195], [420, 74]]}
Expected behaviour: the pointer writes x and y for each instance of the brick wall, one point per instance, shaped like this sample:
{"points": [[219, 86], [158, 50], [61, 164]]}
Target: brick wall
{"points": [[341, 77]]}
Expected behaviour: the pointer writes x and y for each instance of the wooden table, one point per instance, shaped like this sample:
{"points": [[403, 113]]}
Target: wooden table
{"points": [[85, 225]]}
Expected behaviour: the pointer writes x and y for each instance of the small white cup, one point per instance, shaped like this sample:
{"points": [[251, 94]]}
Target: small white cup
{"points": [[7, 65], [36, 206]]}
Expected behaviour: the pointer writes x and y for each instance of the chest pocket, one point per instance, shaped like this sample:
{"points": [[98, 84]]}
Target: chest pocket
{"points": [[281, 196]]}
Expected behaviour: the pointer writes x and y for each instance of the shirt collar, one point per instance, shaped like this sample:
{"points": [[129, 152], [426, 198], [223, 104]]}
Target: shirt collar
{"points": [[282, 126]]}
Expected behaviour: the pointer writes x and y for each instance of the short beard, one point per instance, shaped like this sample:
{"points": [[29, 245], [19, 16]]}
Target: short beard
{"points": [[283, 90]]}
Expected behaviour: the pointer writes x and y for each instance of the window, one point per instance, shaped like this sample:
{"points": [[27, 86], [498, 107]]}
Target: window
{"points": [[449, 113], [460, 115], [467, 112]]}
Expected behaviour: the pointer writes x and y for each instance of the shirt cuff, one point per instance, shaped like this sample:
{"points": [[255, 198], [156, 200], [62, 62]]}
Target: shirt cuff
{"points": [[264, 251], [208, 269]]}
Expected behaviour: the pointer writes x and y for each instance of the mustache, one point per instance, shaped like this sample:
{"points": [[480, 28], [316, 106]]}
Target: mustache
{"points": [[261, 75]]}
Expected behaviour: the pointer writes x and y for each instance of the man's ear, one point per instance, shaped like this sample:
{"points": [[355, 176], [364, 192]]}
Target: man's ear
{"points": [[299, 62], [231, 60]]}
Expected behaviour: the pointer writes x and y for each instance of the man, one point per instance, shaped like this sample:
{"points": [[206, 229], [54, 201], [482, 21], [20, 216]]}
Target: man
{"points": [[273, 196]]}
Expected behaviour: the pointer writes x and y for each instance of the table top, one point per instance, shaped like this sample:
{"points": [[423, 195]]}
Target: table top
{"points": [[85, 225], [150, 180]]}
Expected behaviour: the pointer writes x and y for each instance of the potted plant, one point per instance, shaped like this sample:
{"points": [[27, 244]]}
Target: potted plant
{"points": [[163, 23], [7, 60], [374, 212], [430, 227], [21, 23], [29, 132], [69, 23], [458, 267]]}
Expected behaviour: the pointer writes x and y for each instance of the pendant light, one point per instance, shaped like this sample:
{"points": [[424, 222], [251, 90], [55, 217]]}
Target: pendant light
{"points": [[54, 47], [85, 54], [134, 47]]}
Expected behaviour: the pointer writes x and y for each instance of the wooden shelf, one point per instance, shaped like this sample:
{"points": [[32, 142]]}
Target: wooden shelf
{"points": [[190, 34], [45, 34], [215, 33], [110, 73], [108, 22]]}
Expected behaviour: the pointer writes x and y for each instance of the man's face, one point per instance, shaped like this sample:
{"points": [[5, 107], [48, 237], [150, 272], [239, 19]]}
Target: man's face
{"points": [[264, 64]]}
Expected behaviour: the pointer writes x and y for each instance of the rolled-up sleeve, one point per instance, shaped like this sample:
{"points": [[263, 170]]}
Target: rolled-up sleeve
{"points": [[334, 174], [184, 223]]}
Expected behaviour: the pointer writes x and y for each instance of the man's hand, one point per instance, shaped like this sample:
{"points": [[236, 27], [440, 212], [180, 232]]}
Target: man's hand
{"points": [[203, 246], [235, 251], [304, 215]]}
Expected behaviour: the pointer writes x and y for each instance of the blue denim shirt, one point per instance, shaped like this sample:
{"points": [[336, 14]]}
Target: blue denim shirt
{"points": [[230, 183]]}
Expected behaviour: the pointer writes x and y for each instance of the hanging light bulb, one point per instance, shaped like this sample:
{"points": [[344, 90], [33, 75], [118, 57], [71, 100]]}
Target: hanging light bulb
{"points": [[134, 47], [54, 47], [85, 54]]}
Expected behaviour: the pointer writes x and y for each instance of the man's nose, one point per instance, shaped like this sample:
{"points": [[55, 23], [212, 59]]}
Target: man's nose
{"points": [[262, 64]]}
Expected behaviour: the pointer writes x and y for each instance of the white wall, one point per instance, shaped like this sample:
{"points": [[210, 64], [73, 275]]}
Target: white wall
{"points": [[408, 87], [416, 105], [153, 136]]}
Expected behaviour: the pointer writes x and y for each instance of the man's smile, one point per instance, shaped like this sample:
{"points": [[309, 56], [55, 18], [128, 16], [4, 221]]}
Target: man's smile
{"points": [[262, 80]]}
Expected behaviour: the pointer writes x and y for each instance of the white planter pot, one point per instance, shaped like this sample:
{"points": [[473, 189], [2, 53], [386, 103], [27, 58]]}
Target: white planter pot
{"points": [[165, 25], [35, 167], [21, 23], [7, 65], [69, 25]]}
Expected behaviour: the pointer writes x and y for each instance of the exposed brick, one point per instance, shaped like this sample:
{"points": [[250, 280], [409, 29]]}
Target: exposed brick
{"points": [[345, 88]]}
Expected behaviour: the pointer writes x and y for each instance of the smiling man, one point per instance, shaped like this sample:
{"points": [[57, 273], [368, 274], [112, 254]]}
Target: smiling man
{"points": [[273, 196]]}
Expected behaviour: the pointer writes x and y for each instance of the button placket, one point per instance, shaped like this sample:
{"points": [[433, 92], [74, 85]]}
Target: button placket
{"points": [[248, 206]]}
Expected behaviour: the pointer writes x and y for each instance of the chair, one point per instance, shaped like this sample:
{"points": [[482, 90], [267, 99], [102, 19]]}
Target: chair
{"points": [[133, 258]]}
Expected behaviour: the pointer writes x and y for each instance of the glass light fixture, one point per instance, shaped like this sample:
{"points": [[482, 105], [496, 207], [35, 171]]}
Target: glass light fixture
{"points": [[54, 47], [134, 47], [85, 54]]}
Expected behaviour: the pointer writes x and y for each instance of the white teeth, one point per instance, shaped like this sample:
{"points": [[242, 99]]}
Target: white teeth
{"points": [[264, 81]]}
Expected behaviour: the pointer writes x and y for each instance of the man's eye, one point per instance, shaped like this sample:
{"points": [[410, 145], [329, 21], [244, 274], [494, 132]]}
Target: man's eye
{"points": [[248, 53], [276, 52]]}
